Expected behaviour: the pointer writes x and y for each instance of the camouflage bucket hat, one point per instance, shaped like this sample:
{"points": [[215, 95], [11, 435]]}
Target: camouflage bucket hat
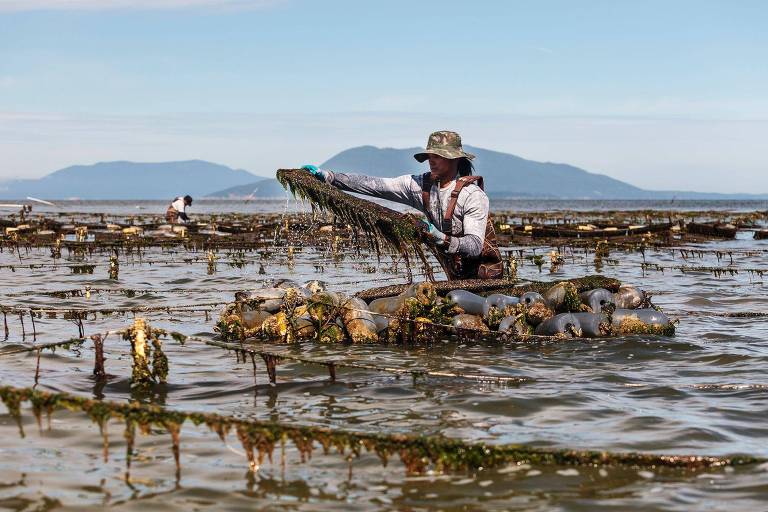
{"points": [[446, 144]]}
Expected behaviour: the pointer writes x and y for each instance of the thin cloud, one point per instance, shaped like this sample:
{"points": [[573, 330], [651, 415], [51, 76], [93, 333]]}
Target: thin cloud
{"points": [[103, 5], [662, 154]]}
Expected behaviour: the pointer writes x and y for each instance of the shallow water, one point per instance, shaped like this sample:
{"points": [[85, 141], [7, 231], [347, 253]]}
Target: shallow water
{"points": [[703, 392], [202, 206]]}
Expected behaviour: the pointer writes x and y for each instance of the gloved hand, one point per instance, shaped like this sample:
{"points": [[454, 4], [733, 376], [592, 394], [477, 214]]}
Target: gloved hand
{"points": [[317, 173], [431, 232]]}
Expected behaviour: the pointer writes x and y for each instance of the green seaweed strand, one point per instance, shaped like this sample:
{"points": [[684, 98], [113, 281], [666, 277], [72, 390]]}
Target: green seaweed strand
{"points": [[418, 453], [377, 222]]}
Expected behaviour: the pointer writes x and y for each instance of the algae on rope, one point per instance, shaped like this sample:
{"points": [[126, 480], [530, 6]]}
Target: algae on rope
{"points": [[487, 286], [417, 452], [377, 222], [145, 347]]}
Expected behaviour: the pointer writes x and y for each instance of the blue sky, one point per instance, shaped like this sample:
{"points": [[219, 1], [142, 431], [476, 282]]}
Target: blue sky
{"points": [[662, 94]]}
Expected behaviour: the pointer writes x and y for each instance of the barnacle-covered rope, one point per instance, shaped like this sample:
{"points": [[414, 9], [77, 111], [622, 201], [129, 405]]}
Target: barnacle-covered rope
{"points": [[418, 453]]}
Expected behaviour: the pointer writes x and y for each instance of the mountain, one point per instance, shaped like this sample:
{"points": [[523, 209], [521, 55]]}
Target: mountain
{"points": [[267, 187], [505, 175], [129, 180]]}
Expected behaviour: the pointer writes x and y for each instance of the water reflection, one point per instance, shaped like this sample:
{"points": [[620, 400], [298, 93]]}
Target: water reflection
{"points": [[702, 392]]}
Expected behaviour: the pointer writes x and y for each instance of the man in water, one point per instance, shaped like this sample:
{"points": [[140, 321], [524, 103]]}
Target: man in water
{"points": [[177, 211], [455, 205]]}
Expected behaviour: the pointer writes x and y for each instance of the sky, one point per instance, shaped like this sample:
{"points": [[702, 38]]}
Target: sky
{"points": [[660, 94]]}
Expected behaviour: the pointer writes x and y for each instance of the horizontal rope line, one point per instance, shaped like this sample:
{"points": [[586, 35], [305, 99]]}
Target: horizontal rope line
{"points": [[500, 379], [416, 451]]}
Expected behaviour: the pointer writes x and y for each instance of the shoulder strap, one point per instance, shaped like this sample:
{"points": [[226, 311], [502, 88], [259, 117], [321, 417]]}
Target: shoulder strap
{"points": [[426, 186], [460, 184]]}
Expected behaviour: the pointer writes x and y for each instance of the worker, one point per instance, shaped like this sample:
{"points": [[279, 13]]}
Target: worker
{"points": [[177, 210], [449, 195]]}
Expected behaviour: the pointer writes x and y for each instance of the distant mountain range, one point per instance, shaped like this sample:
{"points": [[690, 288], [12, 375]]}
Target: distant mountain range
{"points": [[505, 175], [129, 180], [265, 187]]}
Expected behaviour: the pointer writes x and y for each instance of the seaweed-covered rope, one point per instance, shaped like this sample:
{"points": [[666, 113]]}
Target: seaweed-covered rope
{"points": [[133, 262], [498, 379], [417, 453], [506, 286], [377, 222], [484, 378], [332, 365], [129, 292], [717, 271], [26, 310], [707, 386], [44, 346], [723, 314]]}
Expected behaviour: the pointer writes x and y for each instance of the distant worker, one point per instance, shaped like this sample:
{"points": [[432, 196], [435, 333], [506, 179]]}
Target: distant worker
{"points": [[177, 211], [454, 202]]}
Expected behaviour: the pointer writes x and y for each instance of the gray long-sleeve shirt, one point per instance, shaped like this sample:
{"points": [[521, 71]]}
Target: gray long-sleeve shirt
{"points": [[467, 226]]}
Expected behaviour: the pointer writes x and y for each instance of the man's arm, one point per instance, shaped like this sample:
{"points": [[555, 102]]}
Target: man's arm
{"points": [[403, 189], [475, 219]]}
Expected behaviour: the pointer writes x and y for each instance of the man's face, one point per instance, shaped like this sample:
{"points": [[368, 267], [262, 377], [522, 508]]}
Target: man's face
{"points": [[442, 168]]}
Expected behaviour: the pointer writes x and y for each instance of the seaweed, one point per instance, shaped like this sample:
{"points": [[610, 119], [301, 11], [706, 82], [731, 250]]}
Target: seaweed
{"points": [[399, 231], [488, 286], [114, 267], [98, 367], [630, 325], [145, 347], [510, 268], [418, 453]]}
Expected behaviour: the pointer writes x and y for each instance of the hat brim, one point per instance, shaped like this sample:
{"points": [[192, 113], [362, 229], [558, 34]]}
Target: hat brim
{"points": [[445, 153]]}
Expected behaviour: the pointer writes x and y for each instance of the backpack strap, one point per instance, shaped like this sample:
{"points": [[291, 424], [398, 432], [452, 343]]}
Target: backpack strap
{"points": [[426, 186], [460, 184]]}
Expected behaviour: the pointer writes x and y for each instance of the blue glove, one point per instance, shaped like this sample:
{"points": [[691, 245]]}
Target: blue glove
{"points": [[317, 173], [434, 234]]}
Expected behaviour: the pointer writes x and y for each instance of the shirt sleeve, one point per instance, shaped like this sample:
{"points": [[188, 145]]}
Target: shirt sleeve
{"points": [[403, 189], [474, 222], [179, 205]]}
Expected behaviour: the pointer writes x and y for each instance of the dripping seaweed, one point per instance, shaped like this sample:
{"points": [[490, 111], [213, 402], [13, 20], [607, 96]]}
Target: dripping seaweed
{"points": [[418, 453], [399, 231]]}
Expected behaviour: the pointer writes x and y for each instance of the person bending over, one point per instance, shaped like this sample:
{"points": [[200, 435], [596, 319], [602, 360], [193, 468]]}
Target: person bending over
{"points": [[177, 210]]}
